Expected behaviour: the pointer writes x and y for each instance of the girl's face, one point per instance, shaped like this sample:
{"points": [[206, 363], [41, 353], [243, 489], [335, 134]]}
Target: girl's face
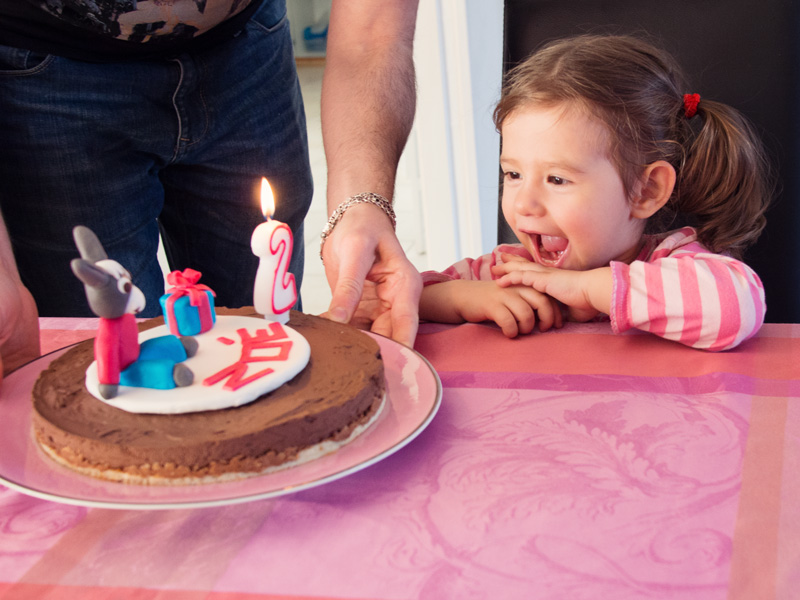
{"points": [[562, 195]]}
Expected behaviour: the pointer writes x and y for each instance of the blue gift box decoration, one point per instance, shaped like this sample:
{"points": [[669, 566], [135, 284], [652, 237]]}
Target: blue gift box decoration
{"points": [[188, 307]]}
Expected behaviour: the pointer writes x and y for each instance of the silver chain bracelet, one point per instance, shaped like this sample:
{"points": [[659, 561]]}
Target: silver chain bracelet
{"points": [[369, 198]]}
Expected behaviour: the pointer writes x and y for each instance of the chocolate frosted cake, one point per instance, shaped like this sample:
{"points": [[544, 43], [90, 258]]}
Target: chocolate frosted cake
{"points": [[339, 391]]}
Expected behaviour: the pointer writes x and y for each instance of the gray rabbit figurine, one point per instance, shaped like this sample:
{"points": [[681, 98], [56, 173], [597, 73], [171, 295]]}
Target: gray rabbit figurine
{"points": [[121, 360]]}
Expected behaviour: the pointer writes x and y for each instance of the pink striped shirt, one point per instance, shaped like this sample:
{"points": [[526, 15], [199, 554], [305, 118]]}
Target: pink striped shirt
{"points": [[676, 289]]}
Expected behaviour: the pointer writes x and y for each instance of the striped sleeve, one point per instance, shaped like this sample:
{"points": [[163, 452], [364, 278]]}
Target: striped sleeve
{"points": [[475, 269], [689, 295]]}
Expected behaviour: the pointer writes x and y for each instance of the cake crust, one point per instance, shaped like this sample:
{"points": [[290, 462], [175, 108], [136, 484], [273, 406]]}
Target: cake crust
{"points": [[341, 388]]}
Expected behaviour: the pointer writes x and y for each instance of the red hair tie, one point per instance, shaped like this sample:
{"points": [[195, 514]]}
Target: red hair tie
{"points": [[690, 102]]}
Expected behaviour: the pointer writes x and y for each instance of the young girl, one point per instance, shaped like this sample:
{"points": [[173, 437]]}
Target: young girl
{"points": [[602, 154]]}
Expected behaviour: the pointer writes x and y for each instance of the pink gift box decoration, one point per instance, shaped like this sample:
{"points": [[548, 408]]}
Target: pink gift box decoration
{"points": [[188, 306]]}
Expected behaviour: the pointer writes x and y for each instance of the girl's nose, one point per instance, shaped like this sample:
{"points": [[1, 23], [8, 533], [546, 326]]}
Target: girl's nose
{"points": [[528, 201]]}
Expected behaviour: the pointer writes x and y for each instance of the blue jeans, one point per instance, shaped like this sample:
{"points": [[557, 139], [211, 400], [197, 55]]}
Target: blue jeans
{"points": [[129, 149]]}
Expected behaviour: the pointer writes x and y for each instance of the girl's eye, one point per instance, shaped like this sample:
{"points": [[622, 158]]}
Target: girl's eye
{"points": [[511, 175], [556, 180]]}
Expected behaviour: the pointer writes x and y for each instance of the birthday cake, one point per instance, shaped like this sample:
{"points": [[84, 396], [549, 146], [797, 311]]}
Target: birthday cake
{"points": [[335, 396], [196, 396]]}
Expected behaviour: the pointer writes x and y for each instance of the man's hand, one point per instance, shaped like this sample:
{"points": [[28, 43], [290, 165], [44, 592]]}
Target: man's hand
{"points": [[19, 318], [368, 102], [374, 285], [19, 326]]}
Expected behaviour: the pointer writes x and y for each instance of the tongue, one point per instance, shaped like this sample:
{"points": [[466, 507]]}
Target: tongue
{"points": [[553, 243]]}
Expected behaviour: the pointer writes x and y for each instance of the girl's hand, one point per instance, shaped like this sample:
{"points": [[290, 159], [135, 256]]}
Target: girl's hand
{"points": [[515, 309], [586, 293]]}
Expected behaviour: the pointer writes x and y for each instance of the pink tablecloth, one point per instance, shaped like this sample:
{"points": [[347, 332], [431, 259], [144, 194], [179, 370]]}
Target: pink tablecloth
{"points": [[573, 464]]}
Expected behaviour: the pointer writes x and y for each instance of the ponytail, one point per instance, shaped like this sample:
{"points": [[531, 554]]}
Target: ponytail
{"points": [[724, 180]]}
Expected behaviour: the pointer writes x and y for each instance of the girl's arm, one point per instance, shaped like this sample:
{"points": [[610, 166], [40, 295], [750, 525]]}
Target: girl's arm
{"points": [[697, 298], [514, 309], [466, 292], [477, 269]]}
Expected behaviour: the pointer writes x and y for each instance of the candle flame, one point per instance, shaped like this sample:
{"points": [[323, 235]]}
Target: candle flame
{"points": [[267, 199]]}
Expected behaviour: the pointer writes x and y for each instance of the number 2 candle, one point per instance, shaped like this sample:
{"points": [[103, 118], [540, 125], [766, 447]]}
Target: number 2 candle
{"points": [[274, 293]]}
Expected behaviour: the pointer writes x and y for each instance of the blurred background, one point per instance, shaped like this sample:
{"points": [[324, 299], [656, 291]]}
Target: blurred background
{"points": [[739, 52]]}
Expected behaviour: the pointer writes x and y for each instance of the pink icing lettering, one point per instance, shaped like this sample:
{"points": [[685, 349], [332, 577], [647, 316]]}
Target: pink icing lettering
{"points": [[273, 340]]}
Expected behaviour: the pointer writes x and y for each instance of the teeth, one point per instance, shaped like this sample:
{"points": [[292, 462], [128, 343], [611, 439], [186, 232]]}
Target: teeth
{"points": [[550, 256]]}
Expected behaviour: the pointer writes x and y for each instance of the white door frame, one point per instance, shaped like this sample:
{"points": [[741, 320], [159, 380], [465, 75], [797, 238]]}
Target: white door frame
{"points": [[459, 61]]}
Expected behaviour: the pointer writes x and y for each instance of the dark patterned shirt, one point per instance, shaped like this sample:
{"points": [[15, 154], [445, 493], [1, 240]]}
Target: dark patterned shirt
{"points": [[102, 30], [145, 21]]}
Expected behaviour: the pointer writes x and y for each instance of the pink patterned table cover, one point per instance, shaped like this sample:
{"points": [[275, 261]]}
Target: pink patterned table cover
{"points": [[574, 464]]}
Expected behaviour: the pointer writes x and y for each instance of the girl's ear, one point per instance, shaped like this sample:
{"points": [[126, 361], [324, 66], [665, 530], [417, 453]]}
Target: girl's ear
{"points": [[655, 188]]}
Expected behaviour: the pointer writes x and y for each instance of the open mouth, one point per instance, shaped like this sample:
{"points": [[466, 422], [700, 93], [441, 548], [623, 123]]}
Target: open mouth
{"points": [[550, 249]]}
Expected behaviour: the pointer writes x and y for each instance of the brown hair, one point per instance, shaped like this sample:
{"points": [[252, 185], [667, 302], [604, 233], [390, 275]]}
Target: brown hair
{"points": [[724, 178]]}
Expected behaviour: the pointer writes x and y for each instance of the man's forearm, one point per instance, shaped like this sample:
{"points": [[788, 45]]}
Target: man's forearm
{"points": [[368, 95]]}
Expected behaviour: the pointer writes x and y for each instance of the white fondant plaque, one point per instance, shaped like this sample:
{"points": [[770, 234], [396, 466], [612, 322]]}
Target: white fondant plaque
{"points": [[238, 360]]}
